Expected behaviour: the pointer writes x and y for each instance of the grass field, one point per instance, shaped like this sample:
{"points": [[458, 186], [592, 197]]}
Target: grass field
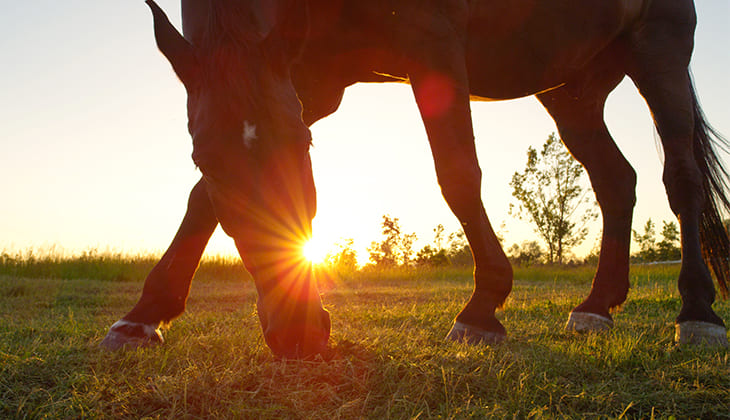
{"points": [[390, 359]]}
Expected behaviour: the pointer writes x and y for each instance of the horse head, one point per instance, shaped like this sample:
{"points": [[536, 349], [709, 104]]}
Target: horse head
{"points": [[252, 147]]}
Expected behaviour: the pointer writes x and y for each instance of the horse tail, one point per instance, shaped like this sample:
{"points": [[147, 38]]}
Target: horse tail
{"points": [[713, 235]]}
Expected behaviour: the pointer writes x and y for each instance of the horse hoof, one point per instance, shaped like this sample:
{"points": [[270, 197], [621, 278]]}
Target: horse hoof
{"points": [[127, 334], [700, 332], [468, 334], [588, 322]]}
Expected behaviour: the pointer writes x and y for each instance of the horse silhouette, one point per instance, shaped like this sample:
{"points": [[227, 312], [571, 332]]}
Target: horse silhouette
{"points": [[259, 72]]}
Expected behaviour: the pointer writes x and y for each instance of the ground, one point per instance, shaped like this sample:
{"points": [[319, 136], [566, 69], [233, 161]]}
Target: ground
{"points": [[389, 359]]}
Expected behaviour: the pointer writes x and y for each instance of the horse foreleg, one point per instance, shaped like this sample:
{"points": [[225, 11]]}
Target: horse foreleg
{"points": [[584, 133], [441, 92], [168, 284]]}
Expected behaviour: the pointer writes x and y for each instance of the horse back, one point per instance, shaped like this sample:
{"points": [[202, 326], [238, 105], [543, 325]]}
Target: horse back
{"points": [[512, 48], [523, 47]]}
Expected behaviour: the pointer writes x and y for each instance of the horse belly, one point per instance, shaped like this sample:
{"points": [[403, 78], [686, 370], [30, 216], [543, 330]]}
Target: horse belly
{"points": [[499, 77], [523, 47]]}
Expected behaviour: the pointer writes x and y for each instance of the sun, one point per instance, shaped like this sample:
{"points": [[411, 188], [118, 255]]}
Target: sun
{"points": [[314, 251]]}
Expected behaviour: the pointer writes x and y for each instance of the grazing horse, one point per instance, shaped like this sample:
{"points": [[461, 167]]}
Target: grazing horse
{"points": [[259, 72]]}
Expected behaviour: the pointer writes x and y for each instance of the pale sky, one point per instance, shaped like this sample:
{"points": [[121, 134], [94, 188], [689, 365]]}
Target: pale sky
{"points": [[95, 151]]}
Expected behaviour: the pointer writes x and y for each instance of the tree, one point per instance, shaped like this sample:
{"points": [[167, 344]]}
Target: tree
{"points": [[438, 236], [396, 248], [646, 242], [459, 251], [451, 249], [667, 249], [525, 255], [429, 255], [550, 194], [344, 260], [434, 255]]}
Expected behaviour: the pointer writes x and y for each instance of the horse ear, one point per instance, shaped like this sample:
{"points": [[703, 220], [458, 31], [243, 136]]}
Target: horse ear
{"points": [[178, 51]]}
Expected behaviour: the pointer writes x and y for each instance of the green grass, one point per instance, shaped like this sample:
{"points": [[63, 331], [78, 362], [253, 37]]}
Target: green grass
{"points": [[390, 358]]}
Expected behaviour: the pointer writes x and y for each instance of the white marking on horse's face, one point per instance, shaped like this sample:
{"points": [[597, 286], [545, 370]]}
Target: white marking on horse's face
{"points": [[249, 134]]}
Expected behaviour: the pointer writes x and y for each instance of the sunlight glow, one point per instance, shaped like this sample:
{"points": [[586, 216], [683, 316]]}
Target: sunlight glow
{"points": [[315, 251]]}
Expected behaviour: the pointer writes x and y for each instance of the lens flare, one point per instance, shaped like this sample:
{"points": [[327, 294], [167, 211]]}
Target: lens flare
{"points": [[314, 251]]}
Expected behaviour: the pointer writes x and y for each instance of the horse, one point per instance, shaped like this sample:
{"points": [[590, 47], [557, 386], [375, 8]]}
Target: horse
{"points": [[258, 73]]}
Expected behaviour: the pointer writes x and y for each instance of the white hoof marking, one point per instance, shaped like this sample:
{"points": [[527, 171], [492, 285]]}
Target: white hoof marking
{"points": [[129, 334]]}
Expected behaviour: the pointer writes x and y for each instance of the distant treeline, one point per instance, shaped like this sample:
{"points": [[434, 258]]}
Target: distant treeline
{"points": [[394, 251]]}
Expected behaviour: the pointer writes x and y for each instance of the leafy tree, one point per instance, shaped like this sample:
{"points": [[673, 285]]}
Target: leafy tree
{"points": [[344, 260], [429, 255], [646, 242], [526, 254], [550, 194], [438, 236], [435, 255], [458, 250], [667, 249], [406, 248], [395, 249]]}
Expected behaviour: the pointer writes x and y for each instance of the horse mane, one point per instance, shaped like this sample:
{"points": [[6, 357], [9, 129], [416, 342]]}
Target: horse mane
{"points": [[230, 22], [232, 49], [236, 25]]}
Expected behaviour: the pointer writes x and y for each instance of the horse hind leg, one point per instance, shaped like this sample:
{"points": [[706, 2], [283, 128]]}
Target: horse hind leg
{"points": [[671, 103], [690, 168], [580, 122]]}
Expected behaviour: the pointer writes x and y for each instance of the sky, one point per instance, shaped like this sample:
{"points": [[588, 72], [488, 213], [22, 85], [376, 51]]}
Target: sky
{"points": [[96, 155]]}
